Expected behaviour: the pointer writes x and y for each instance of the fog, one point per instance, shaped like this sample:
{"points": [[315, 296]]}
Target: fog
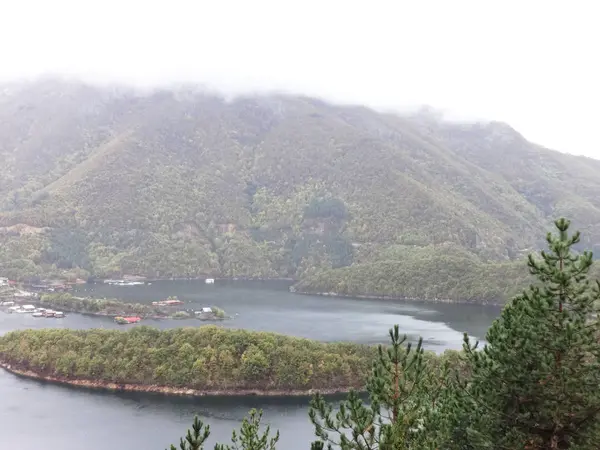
{"points": [[530, 64]]}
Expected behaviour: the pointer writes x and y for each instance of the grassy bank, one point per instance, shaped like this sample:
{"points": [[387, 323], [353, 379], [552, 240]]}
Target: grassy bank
{"points": [[206, 359]]}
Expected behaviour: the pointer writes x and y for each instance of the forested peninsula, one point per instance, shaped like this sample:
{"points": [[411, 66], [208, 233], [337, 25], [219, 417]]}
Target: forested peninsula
{"points": [[188, 361], [101, 307], [180, 183]]}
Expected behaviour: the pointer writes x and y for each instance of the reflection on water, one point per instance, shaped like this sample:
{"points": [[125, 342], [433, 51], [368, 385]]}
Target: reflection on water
{"points": [[269, 306], [38, 415]]}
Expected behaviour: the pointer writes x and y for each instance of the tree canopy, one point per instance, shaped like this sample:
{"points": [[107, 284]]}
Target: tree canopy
{"points": [[532, 386]]}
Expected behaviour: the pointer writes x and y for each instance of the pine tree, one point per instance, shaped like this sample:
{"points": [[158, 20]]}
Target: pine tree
{"points": [[402, 393], [249, 436], [536, 382], [195, 438]]}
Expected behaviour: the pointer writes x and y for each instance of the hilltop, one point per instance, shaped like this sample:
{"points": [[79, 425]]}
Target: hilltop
{"points": [[106, 181]]}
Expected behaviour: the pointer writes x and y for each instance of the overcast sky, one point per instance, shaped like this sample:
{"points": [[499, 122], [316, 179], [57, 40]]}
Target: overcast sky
{"points": [[533, 64]]}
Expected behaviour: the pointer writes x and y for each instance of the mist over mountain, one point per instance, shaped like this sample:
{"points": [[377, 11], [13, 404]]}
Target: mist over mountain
{"points": [[181, 182]]}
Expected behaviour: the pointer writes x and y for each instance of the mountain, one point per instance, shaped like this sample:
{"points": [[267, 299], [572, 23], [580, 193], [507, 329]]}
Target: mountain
{"points": [[106, 181]]}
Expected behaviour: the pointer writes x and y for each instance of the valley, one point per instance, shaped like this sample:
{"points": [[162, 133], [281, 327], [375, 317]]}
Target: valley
{"points": [[181, 183]]}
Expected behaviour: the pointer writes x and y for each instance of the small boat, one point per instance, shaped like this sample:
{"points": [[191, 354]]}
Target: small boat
{"points": [[210, 281], [59, 314], [38, 314], [49, 313], [7, 303]]}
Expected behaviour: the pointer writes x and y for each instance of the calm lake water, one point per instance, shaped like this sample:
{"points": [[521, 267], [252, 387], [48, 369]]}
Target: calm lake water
{"points": [[38, 415]]}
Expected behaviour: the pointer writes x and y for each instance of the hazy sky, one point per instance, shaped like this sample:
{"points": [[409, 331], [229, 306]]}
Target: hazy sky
{"points": [[534, 64]]}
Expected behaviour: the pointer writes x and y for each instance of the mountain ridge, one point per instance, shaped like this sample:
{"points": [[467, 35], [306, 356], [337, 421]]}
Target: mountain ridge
{"points": [[185, 183]]}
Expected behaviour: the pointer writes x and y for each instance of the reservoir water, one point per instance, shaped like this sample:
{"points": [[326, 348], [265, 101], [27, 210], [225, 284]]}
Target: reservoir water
{"points": [[38, 415]]}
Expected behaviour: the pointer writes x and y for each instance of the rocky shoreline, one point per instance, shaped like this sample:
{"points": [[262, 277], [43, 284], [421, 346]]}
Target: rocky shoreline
{"points": [[399, 298], [167, 390]]}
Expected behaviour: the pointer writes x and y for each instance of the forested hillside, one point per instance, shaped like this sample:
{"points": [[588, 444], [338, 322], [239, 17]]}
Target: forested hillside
{"points": [[106, 181]]}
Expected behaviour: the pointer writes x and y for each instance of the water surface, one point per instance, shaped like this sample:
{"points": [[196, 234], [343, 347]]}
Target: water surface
{"points": [[38, 415]]}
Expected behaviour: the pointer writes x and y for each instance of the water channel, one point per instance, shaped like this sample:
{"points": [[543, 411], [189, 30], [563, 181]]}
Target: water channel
{"points": [[38, 415]]}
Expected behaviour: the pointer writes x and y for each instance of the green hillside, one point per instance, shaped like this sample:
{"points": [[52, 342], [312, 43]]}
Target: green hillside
{"points": [[107, 181]]}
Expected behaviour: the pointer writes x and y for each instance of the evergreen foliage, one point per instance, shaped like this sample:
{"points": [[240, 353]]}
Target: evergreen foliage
{"points": [[179, 183], [206, 358], [249, 437], [535, 383], [431, 273], [533, 386], [402, 389], [195, 438]]}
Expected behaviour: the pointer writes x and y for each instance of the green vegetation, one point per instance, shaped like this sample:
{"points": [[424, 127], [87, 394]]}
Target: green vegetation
{"points": [[108, 307], [443, 273], [218, 312], [113, 307], [180, 315], [206, 358], [250, 436], [180, 183], [533, 386]]}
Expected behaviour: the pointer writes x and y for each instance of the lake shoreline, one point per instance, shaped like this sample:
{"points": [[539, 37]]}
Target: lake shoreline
{"points": [[166, 390], [199, 278], [152, 312], [398, 298]]}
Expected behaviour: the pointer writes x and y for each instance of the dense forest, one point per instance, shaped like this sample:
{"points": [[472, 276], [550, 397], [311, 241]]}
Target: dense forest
{"points": [[533, 386], [104, 182], [423, 274], [206, 358]]}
